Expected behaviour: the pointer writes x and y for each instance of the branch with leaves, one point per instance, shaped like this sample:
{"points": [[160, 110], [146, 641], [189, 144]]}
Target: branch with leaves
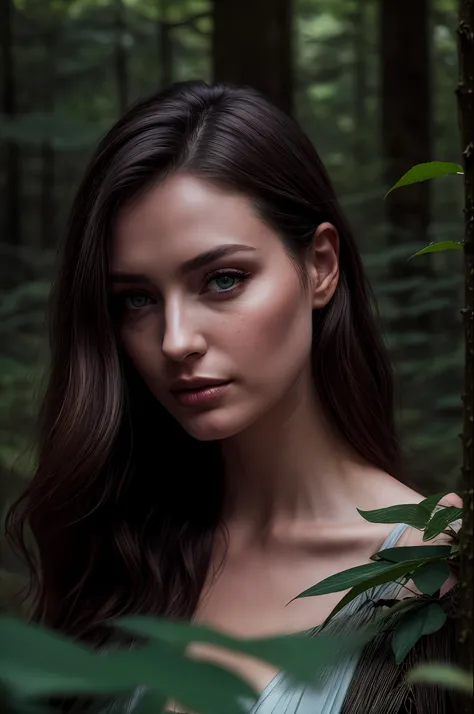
{"points": [[428, 566]]}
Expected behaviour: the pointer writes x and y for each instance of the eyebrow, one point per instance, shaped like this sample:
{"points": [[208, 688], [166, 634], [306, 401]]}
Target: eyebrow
{"points": [[189, 266]]}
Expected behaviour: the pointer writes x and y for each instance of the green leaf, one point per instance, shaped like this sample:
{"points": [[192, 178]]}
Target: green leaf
{"points": [[362, 574], [411, 514], [412, 552], [36, 662], [441, 520], [428, 170], [413, 625], [387, 573], [430, 503], [305, 657], [350, 578], [429, 577], [394, 607], [439, 247], [198, 685], [445, 675], [11, 703], [149, 703]]}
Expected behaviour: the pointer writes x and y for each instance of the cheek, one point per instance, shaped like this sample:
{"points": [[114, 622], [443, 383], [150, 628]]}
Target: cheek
{"points": [[278, 331]]}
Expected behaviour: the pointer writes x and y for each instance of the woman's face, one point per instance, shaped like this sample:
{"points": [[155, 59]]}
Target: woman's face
{"points": [[205, 291]]}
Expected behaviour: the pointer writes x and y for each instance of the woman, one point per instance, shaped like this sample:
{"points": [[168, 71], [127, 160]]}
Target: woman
{"points": [[220, 400]]}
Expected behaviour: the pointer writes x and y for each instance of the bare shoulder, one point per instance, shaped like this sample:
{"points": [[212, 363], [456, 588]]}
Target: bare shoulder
{"points": [[385, 491], [379, 489]]}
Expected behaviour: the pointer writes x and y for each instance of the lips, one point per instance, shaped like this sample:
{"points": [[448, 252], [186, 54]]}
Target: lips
{"points": [[196, 385], [204, 395]]}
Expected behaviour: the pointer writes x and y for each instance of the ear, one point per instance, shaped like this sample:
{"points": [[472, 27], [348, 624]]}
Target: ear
{"points": [[323, 264]]}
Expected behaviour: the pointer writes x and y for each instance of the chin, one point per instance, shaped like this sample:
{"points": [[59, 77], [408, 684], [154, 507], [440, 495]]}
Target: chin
{"points": [[212, 426]]}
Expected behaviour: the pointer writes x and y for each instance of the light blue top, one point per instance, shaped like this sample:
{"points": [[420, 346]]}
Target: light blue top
{"points": [[282, 696]]}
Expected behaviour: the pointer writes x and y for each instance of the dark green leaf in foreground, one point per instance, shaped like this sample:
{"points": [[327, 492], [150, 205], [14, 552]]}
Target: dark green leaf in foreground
{"points": [[430, 503], [303, 656], [413, 625], [348, 579], [36, 662], [410, 513], [198, 685], [150, 703], [392, 573], [412, 552], [441, 520], [365, 576], [430, 577]]}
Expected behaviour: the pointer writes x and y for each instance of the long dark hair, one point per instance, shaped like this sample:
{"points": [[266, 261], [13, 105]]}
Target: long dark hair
{"points": [[124, 504]]}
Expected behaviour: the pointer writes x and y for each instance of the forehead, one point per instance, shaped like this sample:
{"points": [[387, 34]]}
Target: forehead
{"points": [[183, 216]]}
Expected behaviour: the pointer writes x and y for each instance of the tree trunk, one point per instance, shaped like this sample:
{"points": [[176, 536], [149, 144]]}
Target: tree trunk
{"points": [[121, 59], [359, 29], [47, 214], [252, 45], [9, 108], [465, 93], [165, 45], [407, 140]]}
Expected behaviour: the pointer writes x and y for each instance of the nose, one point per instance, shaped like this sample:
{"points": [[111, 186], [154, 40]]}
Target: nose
{"points": [[181, 335]]}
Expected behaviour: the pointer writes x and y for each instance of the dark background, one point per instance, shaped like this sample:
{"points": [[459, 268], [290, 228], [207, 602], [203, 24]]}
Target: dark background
{"points": [[371, 82]]}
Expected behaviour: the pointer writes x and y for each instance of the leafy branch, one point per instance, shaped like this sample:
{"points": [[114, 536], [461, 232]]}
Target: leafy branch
{"points": [[429, 567]]}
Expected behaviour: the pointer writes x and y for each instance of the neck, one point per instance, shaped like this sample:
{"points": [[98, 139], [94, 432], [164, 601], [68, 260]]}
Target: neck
{"points": [[289, 469]]}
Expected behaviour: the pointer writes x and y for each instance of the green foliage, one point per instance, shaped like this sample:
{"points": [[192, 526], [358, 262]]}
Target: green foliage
{"points": [[411, 514], [36, 662], [443, 676], [412, 552], [428, 566], [421, 516], [428, 170], [438, 247], [368, 575], [363, 578], [430, 577], [301, 655], [413, 625]]}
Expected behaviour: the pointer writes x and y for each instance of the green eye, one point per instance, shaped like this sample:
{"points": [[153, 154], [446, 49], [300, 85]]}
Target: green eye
{"points": [[226, 281], [137, 300], [129, 301]]}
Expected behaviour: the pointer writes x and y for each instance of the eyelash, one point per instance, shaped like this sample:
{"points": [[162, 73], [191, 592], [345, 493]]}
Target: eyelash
{"points": [[240, 274]]}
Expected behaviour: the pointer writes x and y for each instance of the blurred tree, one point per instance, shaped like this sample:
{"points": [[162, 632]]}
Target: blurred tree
{"points": [[465, 95], [165, 44], [359, 17], [413, 294], [121, 63], [252, 44], [53, 22], [406, 141], [9, 109]]}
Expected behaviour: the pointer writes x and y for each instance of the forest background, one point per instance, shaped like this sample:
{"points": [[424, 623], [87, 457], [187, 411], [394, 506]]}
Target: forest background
{"points": [[370, 81]]}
